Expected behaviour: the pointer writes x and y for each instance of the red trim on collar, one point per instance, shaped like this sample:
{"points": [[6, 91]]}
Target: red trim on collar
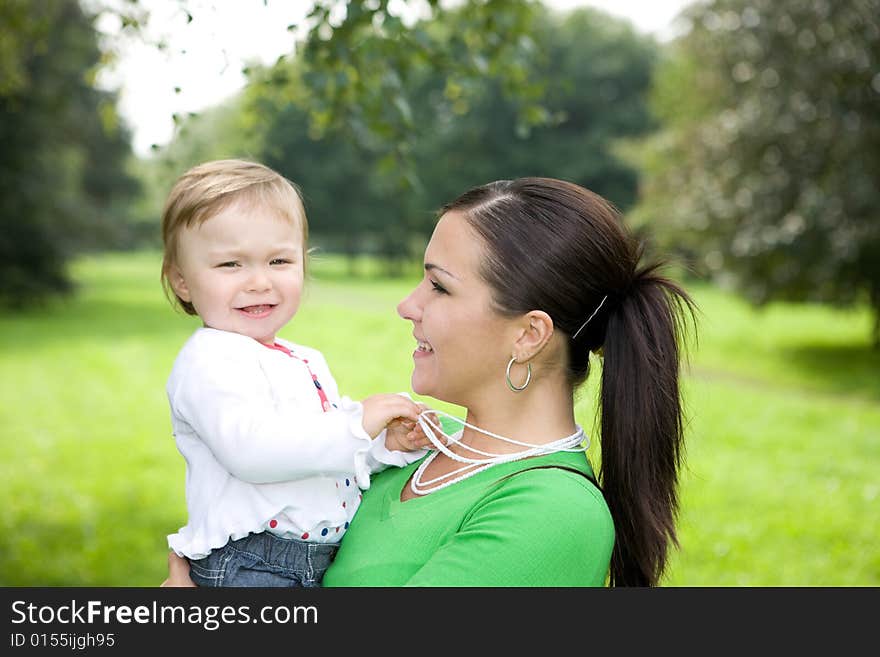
{"points": [[278, 347], [325, 403]]}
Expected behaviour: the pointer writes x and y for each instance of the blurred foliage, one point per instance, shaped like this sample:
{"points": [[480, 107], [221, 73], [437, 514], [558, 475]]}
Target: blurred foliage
{"points": [[596, 72], [363, 196], [22, 33], [760, 164], [63, 183], [384, 111], [765, 174], [360, 60]]}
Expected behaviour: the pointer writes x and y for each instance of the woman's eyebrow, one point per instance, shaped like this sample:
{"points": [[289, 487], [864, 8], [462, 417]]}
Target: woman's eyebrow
{"points": [[432, 267]]}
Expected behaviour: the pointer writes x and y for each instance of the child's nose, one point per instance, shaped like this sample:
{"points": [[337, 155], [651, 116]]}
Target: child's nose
{"points": [[259, 280]]}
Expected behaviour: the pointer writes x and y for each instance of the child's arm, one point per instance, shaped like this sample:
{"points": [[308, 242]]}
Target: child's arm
{"points": [[382, 409], [228, 407], [393, 445]]}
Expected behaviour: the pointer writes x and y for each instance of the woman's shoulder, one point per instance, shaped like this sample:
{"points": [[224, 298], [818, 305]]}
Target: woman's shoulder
{"points": [[562, 488], [547, 509], [549, 477]]}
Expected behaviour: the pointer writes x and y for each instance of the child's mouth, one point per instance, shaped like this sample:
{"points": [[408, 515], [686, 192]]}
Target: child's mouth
{"points": [[257, 311]]}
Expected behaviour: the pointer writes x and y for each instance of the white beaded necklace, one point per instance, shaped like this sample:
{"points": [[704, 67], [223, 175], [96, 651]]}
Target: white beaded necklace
{"points": [[573, 443]]}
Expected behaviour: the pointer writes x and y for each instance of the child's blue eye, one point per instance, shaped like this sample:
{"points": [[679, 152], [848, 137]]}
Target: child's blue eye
{"points": [[280, 261], [231, 263]]}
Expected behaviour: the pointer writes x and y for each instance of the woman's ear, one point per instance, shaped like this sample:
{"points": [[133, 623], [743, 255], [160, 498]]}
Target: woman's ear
{"points": [[178, 283], [537, 329]]}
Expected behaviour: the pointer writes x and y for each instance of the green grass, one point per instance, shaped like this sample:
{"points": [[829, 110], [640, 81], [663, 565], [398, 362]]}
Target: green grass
{"points": [[781, 486]]}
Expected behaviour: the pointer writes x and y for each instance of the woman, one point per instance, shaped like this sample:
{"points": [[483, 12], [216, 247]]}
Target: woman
{"points": [[523, 280]]}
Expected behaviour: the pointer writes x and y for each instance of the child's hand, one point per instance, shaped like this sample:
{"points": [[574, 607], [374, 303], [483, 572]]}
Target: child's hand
{"points": [[380, 410], [405, 435], [178, 572]]}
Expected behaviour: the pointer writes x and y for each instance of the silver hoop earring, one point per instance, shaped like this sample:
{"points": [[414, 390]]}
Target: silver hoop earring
{"points": [[528, 376]]}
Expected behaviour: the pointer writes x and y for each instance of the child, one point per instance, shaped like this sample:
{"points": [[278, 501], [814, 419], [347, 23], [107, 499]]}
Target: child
{"points": [[274, 457]]}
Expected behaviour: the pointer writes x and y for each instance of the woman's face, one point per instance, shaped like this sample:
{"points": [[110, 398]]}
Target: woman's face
{"points": [[463, 344]]}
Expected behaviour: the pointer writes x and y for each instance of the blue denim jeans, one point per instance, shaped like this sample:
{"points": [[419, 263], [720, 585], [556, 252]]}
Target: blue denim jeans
{"points": [[264, 560]]}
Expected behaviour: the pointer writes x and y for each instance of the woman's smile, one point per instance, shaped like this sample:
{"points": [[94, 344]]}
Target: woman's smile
{"points": [[423, 349]]}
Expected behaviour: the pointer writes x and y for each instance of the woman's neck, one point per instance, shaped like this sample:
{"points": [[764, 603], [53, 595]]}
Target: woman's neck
{"points": [[542, 413]]}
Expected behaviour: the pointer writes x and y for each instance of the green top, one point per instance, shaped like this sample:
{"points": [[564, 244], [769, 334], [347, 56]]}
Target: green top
{"points": [[542, 527]]}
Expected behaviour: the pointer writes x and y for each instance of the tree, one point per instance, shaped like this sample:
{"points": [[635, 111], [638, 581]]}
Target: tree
{"points": [[62, 150], [354, 70], [596, 73], [380, 119], [765, 175], [360, 60]]}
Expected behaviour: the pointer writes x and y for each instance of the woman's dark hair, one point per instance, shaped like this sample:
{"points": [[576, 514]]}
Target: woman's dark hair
{"points": [[557, 247]]}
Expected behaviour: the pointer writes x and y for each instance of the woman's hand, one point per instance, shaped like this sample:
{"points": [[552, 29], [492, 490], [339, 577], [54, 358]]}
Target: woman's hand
{"points": [[178, 572]]}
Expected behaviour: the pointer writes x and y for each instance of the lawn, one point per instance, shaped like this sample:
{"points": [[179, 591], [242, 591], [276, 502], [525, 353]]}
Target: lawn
{"points": [[781, 486]]}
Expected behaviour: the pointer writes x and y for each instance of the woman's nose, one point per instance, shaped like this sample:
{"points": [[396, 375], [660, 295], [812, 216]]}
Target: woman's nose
{"points": [[408, 308]]}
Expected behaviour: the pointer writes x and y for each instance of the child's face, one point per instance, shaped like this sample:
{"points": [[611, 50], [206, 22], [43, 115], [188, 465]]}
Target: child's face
{"points": [[242, 270]]}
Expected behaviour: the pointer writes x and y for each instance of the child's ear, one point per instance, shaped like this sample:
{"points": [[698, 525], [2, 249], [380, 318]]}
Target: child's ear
{"points": [[178, 283]]}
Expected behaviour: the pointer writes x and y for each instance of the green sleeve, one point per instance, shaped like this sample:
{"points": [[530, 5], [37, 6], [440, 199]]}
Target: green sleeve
{"points": [[544, 527]]}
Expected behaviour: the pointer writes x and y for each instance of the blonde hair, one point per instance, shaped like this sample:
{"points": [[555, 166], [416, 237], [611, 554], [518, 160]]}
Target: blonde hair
{"points": [[208, 188]]}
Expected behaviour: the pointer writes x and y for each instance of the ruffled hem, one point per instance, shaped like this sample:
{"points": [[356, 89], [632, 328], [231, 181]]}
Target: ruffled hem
{"points": [[202, 547], [200, 539]]}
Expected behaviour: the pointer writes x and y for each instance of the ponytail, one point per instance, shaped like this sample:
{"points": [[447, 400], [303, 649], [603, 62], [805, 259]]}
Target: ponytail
{"points": [[642, 427]]}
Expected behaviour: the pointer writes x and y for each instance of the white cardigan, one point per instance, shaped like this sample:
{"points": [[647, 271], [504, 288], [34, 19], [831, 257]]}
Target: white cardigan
{"points": [[261, 454]]}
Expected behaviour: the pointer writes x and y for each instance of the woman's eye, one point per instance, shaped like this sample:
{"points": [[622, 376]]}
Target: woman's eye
{"points": [[438, 288]]}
